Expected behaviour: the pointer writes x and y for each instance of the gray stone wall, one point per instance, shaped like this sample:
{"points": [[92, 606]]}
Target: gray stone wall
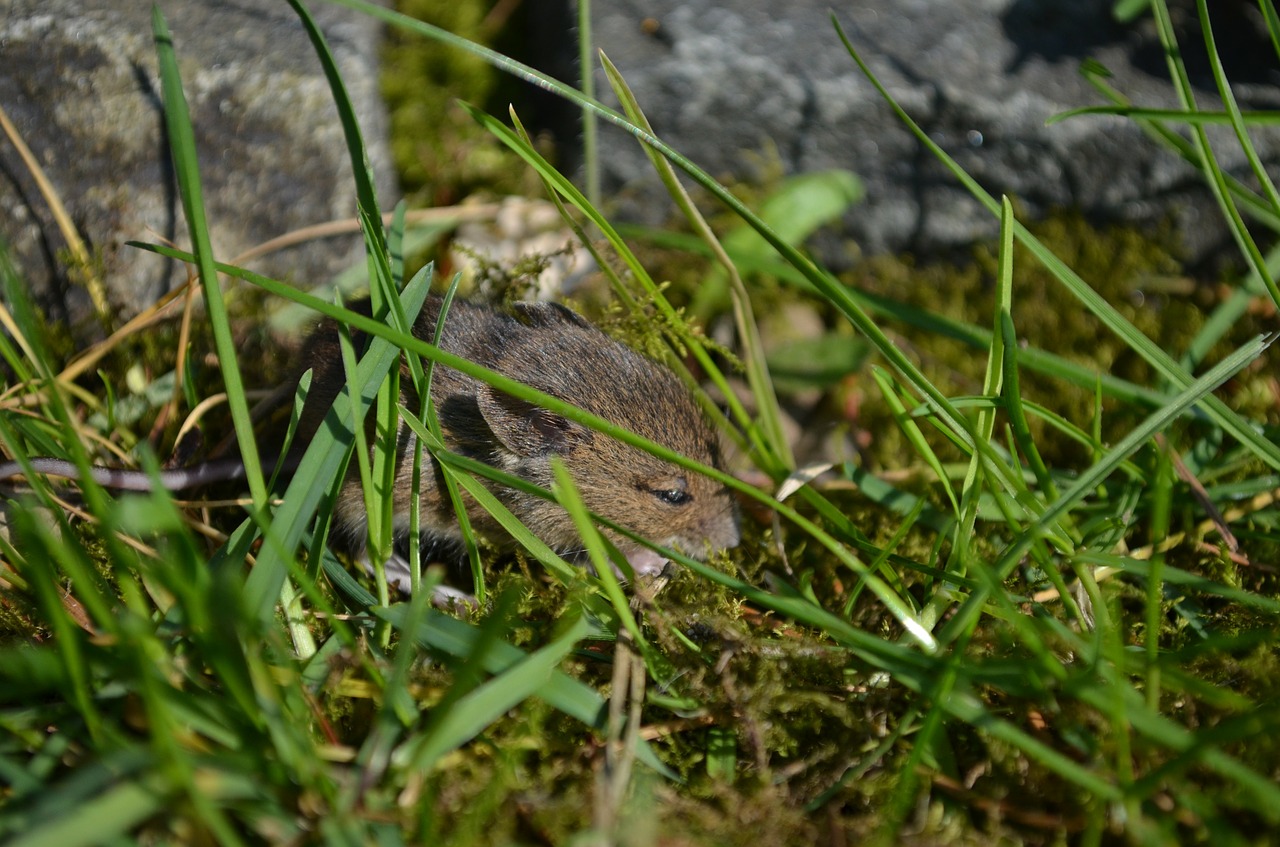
{"points": [[79, 81], [720, 80]]}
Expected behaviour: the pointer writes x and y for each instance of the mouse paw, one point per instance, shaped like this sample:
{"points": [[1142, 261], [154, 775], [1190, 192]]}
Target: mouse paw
{"points": [[447, 598], [646, 562], [398, 572]]}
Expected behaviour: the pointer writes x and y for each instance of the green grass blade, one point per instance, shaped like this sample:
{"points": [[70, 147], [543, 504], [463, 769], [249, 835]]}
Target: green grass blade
{"points": [[1208, 162], [1089, 480], [1198, 118], [1161, 507], [971, 488], [1228, 313], [1273, 22], [427, 413], [1240, 429], [570, 498], [913, 434], [183, 147], [1013, 404], [98, 819], [769, 414], [362, 171], [471, 714], [586, 77]]}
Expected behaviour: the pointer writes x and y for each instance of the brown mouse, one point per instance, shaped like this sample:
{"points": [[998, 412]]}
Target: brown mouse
{"points": [[554, 350]]}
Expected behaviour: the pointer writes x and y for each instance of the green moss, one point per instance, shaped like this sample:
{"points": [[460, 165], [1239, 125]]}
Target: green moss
{"points": [[440, 153]]}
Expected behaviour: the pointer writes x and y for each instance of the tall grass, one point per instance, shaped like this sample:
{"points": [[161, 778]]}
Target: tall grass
{"points": [[1072, 637]]}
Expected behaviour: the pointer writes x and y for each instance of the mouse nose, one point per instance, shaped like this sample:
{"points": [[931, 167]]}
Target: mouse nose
{"points": [[727, 533]]}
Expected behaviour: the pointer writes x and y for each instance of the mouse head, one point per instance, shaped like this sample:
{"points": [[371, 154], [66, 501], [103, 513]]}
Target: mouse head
{"points": [[660, 500]]}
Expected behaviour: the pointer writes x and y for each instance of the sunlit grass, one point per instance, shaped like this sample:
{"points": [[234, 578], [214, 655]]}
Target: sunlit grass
{"points": [[1024, 648]]}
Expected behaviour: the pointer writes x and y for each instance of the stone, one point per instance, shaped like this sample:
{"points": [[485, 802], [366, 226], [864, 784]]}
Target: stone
{"points": [[79, 82], [722, 82]]}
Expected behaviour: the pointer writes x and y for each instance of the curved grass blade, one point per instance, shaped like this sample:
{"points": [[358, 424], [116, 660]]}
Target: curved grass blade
{"points": [[1164, 364], [570, 498], [1207, 161], [561, 691], [769, 414], [361, 170], [187, 170], [1096, 474]]}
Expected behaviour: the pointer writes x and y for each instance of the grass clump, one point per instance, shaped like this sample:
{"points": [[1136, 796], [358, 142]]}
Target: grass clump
{"points": [[1046, 615]]}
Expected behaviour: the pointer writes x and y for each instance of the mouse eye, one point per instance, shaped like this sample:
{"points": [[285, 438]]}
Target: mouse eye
{"points": [[674, 491], [673, 496]]}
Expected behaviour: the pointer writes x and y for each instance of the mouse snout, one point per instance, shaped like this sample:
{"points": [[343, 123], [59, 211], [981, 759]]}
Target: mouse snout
{"points": [[725, 532], [730, 532], [717, 529]]}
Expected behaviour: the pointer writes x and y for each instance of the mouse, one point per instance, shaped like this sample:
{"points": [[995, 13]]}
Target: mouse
{"points": [[555, 350]]}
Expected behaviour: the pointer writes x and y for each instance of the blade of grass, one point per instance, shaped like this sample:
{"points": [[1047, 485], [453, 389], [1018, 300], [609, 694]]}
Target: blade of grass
{"points": [[1228, 313], [586, 78], [1260, 117], [914, 436], [187, 170], [1273, 22], [769, 414], [1208, 162], [1164, 364], [475, 711], [98, 819], [82, 264], [570, 498], [428, 414], [1016, 409], [361, 170], [1089, 480], [971, 489], [1161, 508]]}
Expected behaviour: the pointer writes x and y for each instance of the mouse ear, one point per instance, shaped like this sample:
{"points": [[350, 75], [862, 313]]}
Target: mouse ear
{"points": [[547, 314], [525, 429]]}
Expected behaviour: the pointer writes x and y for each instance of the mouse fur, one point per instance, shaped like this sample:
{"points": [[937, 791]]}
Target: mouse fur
{"points": [[553, 349]]}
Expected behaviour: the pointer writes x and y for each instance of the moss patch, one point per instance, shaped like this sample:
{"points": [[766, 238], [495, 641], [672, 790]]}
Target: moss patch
{"points": [[441, 154]]}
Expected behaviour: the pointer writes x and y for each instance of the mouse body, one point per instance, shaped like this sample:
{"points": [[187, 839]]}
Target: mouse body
{"points": [[554, 350]]}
